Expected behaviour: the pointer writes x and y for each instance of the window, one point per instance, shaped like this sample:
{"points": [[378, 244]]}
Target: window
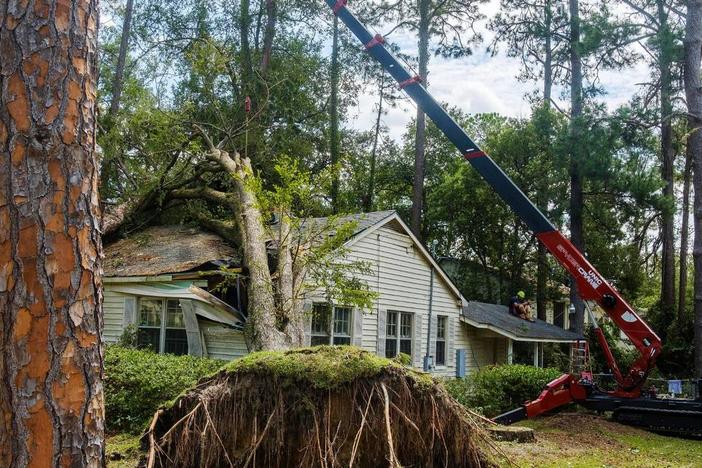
{"points": [[342, 326], [398, 334], [440, 341], [330, 325], [162, 326]]}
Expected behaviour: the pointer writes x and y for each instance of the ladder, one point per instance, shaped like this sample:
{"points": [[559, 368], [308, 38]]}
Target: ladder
{"points": [[580, 359]]}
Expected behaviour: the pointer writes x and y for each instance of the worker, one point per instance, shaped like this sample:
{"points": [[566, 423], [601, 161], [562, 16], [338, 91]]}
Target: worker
{"points": [[519, 306]]}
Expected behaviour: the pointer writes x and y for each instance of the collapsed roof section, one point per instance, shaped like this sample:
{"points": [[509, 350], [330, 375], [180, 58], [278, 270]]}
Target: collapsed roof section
{"points": [[161, 250]]}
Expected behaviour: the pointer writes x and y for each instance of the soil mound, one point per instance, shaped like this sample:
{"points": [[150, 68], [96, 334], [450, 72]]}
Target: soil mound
{"points": [[325, 406]]}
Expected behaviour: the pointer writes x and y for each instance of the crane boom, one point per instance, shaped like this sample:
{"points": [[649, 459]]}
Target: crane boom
{"points": [[590, 283]]}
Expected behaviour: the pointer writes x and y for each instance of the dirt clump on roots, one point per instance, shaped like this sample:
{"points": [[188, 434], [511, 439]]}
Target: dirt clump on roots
{"points": [[325, 406]]}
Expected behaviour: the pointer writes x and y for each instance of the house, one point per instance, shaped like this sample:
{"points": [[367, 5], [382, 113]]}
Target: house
{"points": [[506, 335], [161, 281], [418, 311]]}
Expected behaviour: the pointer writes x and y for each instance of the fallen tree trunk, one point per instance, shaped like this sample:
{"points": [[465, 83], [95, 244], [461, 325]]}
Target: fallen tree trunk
{"points": [[326, 406]]}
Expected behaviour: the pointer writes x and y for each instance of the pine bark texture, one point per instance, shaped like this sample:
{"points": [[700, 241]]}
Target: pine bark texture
{"points": [[576, 179], [51, 396], [693, 94], [420, 138]]}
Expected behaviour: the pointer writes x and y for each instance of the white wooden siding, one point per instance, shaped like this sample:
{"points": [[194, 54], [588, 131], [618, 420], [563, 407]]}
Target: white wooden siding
{"points": [[222, 342], [113, 314], [401, 275], [481, 349]]}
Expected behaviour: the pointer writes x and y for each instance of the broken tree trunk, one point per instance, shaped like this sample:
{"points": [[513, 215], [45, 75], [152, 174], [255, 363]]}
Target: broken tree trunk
{"points": [[263, 324]]}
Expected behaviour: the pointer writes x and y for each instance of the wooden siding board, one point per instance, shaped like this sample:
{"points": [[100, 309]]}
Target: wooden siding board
{"points": [[222, 342], [113, 315], [404, 286]]}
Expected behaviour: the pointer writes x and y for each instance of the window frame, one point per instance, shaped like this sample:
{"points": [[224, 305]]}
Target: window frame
{"points": [[330, 335], [398, 337], [163, 327], [441, 338]]}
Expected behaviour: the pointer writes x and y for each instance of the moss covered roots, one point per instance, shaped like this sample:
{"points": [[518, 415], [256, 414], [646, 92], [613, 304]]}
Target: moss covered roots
{"points": [[326, 406]]}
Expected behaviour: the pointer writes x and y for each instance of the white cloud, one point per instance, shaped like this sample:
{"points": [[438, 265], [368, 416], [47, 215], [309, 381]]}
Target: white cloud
{"points": [[483, 83]]}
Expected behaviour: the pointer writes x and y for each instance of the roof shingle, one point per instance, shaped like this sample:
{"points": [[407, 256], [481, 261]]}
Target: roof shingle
{"points": [[498, 317], [165, 249]]}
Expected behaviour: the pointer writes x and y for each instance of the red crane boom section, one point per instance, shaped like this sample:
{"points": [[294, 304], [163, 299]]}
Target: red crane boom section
{"points": [[591, 285]]}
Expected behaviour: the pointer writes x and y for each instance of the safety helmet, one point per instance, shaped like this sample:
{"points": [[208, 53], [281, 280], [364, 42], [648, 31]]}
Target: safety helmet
{"points": [[521, 295]]}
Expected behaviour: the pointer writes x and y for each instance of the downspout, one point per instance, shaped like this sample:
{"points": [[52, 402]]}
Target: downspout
{"points": [[428, 364]]}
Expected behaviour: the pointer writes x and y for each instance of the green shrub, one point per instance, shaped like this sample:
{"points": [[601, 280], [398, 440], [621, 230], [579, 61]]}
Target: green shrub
{"points": [[129, 337], [496, 389], [137, 382], [404, 359]]}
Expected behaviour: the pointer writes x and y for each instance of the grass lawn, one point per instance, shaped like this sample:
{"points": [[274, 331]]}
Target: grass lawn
{"points": [[562, 440], [583, 440], [122, 450]]}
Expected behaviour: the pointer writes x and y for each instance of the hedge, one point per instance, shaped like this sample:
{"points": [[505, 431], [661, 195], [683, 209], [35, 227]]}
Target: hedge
{"points": [[137, 382], [494, 390]]}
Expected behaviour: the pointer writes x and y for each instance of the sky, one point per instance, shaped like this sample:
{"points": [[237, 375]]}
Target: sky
{"points": [[482, 83]]}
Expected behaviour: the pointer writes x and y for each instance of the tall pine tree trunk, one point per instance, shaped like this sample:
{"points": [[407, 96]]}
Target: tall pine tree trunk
{"points": [[693, 94], [541, 259], [268, 36], [667, 161], [51, 398], [684, 234], [420, 132], [118, 80], [576, 179], [334, 117], [247, 74], [108, 167], [368, 200]]}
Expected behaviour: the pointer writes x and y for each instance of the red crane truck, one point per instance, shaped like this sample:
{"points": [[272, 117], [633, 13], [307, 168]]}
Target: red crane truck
{"points": [[627, 402]]}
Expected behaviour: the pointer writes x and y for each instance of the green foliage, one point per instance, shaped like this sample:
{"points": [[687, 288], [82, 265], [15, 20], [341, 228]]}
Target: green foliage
{"points": [[678, 336], [129, 337], [624, 355], [317, 245], [137, 382], [404, 359], [494, 390], [493, 266], [557, 356], [325, 367]]}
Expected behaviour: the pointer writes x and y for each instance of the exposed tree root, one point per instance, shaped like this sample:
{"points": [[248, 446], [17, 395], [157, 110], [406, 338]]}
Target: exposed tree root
{"points": [[248, 417]]}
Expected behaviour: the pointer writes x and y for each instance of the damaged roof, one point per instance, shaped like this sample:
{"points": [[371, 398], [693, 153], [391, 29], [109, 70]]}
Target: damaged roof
{"points": [[160, 250], [498, 319]]}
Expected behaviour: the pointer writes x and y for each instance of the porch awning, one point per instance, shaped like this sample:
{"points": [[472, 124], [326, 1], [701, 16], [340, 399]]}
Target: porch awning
{"points": [[497, 318]]}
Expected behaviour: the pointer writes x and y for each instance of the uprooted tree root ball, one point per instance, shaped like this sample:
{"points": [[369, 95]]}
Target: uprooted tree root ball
{"points": [[325, 406]]}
